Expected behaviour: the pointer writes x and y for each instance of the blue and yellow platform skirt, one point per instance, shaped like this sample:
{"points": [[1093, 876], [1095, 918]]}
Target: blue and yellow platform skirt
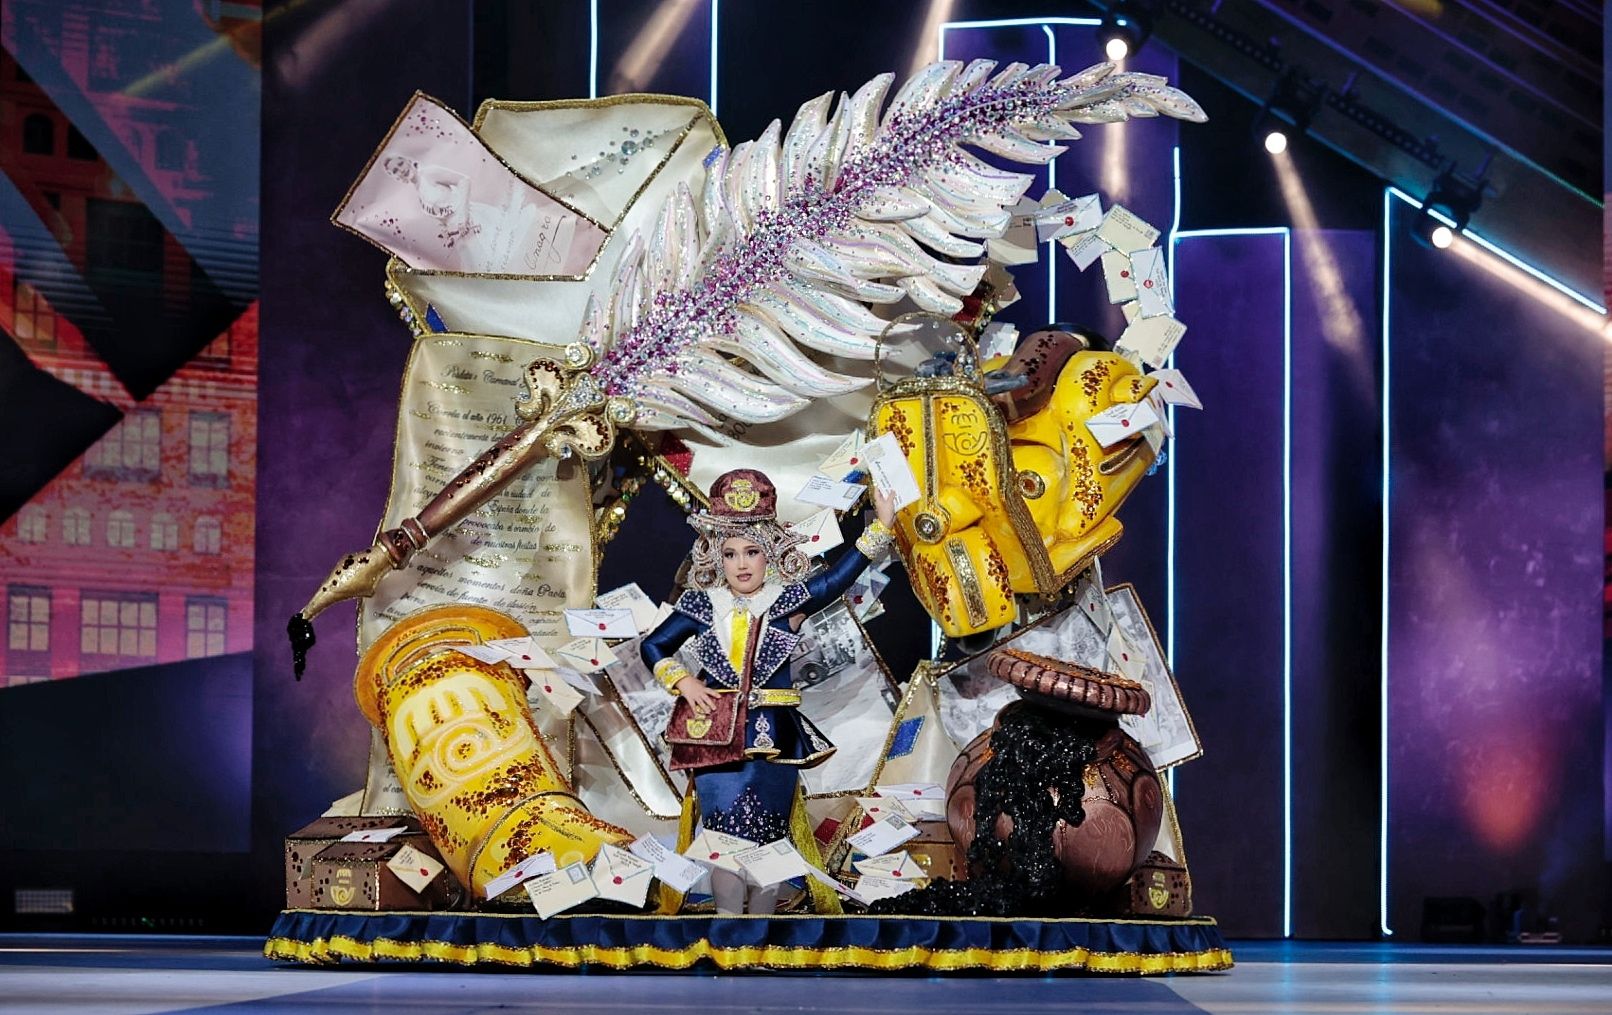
{"points": [[736, 943]]}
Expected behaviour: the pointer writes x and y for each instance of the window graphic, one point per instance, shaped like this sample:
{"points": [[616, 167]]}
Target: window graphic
{"points": [[121, 625]]}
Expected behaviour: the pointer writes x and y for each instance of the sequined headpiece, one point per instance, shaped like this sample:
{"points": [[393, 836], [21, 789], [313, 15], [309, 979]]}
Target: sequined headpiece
{"points": [[739, 498]]}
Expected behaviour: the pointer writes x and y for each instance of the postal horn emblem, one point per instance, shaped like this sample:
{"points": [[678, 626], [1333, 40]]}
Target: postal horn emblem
{"points": [[699, 726], [341, 893], [741, 496], [1158, 896]]}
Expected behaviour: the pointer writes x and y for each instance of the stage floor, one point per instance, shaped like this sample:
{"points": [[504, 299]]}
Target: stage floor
{"points": [[125, 975]]}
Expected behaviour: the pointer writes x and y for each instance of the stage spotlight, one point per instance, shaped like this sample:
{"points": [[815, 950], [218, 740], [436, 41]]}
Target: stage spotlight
{"points": [[1292, 105], [1449, 205], [1125, 27]]}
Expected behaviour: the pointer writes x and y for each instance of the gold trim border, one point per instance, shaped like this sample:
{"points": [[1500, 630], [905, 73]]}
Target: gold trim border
{"points": [[339, 948]]}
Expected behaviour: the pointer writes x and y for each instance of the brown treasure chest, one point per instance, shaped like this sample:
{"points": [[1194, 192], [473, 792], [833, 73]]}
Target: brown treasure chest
{"points": [[301, 845], [356, 875], [1160, 887], [934, 851]]}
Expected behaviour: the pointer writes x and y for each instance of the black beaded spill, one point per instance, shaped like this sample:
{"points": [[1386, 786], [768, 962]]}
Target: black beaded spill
{"points": [[1036, 776], [300, 630]]}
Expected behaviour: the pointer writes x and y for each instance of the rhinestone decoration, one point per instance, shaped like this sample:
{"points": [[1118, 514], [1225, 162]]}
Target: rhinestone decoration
{"points": [[910, 141]]}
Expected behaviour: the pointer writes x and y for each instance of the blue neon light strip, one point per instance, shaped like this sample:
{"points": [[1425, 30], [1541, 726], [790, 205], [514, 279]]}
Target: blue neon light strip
{"points": [[1389, 196], [1489, 245], [1176, 236], [1382, 723], [593, 49], [715, 7]]}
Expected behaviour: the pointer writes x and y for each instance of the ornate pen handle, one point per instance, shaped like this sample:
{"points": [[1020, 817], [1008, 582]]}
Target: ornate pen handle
{"points": [[566, 412]]}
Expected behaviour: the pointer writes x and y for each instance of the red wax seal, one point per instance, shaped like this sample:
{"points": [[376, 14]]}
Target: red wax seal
{"points": [[526, 658], [424, 873], [1124, 657], [595, 662], [857, 600], [815, 537], [616, 880], [601, 627], [897, 872], [549, 688], [1124, 422], [1148, 284], [917, 792], [1124, 274], [1169, 384], [1068, 220], [855, 460], [716, 856]]}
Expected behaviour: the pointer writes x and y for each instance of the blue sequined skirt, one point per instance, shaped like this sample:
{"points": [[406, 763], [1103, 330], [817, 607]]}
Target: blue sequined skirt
{"points": [[750, 799]]}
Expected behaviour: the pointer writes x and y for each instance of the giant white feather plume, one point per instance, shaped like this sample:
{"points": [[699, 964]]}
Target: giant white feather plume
{"points": [[798, 232]]}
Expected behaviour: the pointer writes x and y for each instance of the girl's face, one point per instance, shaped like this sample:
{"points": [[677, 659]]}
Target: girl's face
{"points": [[744, 565]]}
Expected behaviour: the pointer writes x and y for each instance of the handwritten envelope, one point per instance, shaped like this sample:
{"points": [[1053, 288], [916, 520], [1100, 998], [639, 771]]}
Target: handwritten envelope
{"points": [[561, 890], [487, 653], [1065, 218], [873, 887], [1155, 437], [1093, 605], [676, 872], [1174, 389], [601, 623], [850, 893], [772, 863], [829, 493], [865, 591], [1152, 283], [533, 866], [556, 691], [1124, 657], [999, 339], [1152, 339], [877, 808], [891, 471], [1124, 231], [1121, 422], [845, 459], [619, 875], [1084, 248], [891, 865], [1017, 245], [1118, 276], [645, 612], [923, 801], [414, 868], [821, 531], [373, 834], [585, 655], [883, 837], [523, 653], [718, 849]]}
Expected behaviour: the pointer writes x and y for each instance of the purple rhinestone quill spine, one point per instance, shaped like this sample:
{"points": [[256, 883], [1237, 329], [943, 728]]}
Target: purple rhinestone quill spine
{"points": [[905, 145]]}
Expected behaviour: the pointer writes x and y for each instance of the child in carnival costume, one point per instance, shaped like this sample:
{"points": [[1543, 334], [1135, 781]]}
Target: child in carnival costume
{"points": [[748, 581]]}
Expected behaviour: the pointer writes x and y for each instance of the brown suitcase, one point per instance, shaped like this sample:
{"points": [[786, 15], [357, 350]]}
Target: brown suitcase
{"points": [[301, 845], [1160, 887], [354, 875], [934, 851]]}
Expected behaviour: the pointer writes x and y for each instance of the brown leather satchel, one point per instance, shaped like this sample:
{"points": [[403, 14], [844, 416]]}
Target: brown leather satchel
{"points": [[699, 741], [714, 729]]}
